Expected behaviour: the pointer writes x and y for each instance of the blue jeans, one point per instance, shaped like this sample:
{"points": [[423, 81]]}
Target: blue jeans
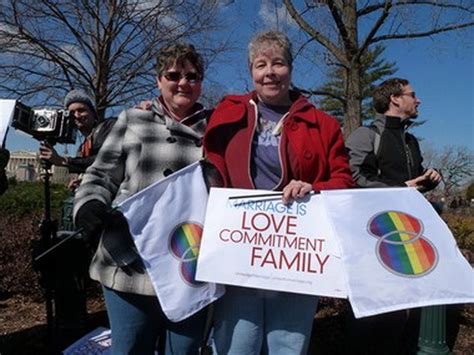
{"points": [[253, 322], [136, 321]]}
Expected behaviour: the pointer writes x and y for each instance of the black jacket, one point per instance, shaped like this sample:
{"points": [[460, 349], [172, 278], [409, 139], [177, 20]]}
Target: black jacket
{"points": [[398, 157]]}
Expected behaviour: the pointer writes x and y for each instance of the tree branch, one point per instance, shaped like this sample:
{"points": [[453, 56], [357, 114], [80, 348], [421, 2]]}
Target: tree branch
{"points": [[340, 26], [372, 8], [318, 36], [421, 34], [374, 29], [316, 92]]}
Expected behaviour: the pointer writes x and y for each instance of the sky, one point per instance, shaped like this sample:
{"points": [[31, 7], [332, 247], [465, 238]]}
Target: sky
{"points": [[440, 70]]}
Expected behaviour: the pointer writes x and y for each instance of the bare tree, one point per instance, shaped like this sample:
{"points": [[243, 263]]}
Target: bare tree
{"points": [[346, 29], [105, 47], [455, 164]]}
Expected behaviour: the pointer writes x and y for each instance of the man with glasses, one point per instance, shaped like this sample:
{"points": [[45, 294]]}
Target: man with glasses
{"points": [[385, 154]]}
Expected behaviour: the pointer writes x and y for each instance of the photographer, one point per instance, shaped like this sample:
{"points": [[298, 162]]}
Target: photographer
{"points": [[94, 131], [4, 156], [71, 263]]}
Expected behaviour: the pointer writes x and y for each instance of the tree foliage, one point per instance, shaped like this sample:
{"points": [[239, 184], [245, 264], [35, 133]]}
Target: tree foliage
{"points": [[348, 29], [107, 48], [373, 69]]}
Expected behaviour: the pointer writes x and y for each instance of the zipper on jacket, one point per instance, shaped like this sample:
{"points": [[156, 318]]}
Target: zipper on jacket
{"points": [[249, 162], [407, 155], [280, 149]]}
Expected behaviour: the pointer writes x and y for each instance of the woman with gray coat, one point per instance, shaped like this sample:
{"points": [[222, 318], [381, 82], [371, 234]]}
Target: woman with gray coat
{"points": [[142, 148]]}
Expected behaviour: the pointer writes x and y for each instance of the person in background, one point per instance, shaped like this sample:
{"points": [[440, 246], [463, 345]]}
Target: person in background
{"points": [[73, 260], [93, 130], [397, 161], [386, 155], [272, 138], [142, 148]]}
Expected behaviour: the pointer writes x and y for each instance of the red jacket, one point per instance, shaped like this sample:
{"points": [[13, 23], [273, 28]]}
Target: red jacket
{"points": [[311, 146]]}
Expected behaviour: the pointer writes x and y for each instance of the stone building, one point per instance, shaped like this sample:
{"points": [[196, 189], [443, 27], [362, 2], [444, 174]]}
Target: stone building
{"points": [[26, 166]]}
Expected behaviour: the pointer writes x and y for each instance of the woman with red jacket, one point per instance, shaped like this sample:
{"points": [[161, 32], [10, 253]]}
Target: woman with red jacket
{"points": [[273, 139]]}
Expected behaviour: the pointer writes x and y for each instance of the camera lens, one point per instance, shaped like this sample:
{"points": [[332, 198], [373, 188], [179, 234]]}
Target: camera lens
{"points": [[42, 121]]}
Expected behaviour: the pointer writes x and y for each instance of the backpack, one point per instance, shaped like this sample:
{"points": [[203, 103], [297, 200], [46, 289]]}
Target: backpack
{"points": [[376, 139], [376, 145]]}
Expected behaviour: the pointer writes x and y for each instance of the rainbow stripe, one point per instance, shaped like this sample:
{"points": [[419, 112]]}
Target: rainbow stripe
{"points": [[414, 258], [184, 244], [392, 221], [402, 248], [185, 237], [188, 270]]}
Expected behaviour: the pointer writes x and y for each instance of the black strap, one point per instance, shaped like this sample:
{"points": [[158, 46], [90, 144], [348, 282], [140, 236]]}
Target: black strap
{"points": [[376, 139], [376, 145]]}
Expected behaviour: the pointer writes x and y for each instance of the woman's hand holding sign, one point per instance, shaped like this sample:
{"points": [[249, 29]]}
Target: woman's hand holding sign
{"points": [[295, 189]]}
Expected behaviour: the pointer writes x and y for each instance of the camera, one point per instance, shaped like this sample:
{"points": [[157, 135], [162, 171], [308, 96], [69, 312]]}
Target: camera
{"points": [[54, 126]]}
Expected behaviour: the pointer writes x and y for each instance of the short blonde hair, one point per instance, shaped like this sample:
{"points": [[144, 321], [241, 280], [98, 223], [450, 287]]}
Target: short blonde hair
{"points": [[267, 38]]}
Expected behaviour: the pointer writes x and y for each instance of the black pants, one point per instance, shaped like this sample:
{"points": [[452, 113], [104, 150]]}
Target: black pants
{"points": [[70, 275]]}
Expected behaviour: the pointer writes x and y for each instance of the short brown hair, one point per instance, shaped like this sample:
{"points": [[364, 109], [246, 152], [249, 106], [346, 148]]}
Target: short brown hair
{"points": [[177, 54], [382, 94], [266, 38]]}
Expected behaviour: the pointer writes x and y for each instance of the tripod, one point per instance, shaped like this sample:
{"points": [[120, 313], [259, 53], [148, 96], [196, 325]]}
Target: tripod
{"points": [[48, 230], [63, 268]]}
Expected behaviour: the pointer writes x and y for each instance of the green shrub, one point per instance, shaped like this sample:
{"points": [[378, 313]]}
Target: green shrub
{"points": [[23, 198], [470, 191], [462, 227]]}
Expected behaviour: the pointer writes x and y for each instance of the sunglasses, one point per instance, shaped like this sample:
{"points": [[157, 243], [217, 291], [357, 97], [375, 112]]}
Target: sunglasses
{"points": [[176, 76], [412, 94]]}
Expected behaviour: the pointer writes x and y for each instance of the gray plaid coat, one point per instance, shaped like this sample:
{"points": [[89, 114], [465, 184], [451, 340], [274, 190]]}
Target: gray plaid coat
{"points": [[142, 148]]}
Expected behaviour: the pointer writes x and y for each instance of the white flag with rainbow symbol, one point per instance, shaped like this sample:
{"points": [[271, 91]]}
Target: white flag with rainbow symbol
{"points": [[397, 251], [166, 222]]}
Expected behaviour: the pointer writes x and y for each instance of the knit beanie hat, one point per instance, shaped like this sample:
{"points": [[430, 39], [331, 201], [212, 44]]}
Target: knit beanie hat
{"points": [[78, 96]]}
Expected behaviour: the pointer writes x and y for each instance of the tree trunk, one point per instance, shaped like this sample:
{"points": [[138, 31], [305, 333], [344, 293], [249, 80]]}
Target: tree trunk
{"points": [[352, 116]]}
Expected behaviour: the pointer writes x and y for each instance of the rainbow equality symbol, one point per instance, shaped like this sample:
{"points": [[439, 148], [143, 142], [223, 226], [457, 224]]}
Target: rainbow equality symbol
{"points": [[401, 247], [184, 242]]}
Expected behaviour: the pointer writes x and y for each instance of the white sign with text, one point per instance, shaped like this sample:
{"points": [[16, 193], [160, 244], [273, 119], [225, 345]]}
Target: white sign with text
{"points": [[7, 108], [259, 242]]}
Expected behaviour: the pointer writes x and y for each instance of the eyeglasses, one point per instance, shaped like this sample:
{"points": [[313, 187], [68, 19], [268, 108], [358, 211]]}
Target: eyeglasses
{"points": [[412, 94], [176, 76]]}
